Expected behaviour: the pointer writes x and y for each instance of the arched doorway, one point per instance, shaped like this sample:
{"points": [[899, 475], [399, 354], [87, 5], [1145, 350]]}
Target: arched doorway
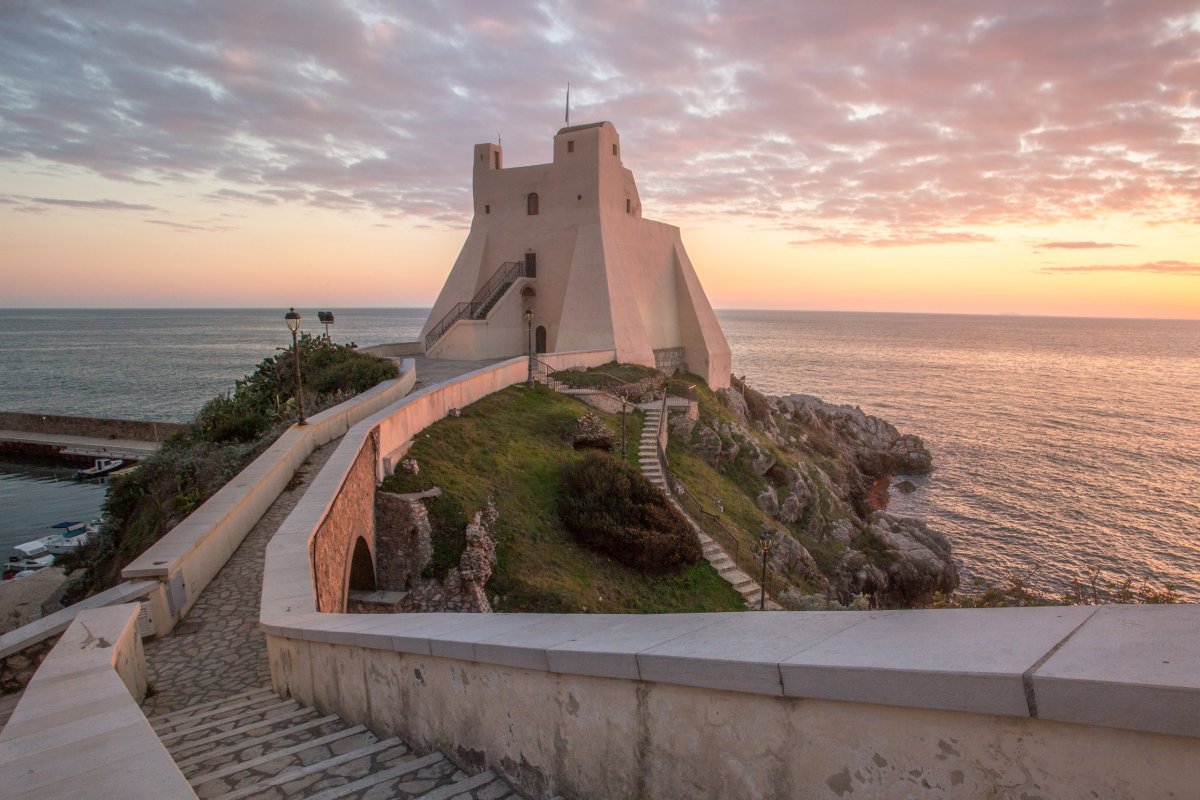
{"points": [[362, 569], [540, 339]]}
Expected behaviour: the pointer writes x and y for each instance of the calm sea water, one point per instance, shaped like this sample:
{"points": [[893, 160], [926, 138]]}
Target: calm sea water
{"points": [[1060, 445]]}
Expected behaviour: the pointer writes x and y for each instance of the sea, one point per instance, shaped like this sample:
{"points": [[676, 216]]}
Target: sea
{"points": [[1062, 447]]}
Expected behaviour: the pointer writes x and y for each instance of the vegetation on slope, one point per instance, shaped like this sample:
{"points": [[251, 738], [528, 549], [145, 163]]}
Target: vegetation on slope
{"points": [[609, 506], [513, 446], [229, 432]]}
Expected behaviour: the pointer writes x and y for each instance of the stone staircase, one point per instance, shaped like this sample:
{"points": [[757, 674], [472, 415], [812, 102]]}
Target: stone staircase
{"points": [[648, 449], [651, 467], [258, 745]]}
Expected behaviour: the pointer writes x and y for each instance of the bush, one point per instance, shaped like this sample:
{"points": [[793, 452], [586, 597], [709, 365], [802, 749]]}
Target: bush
{"points": [[608, 506]]}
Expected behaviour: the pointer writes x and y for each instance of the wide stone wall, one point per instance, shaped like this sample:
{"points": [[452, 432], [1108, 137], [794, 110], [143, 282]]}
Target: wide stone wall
{"points": [[334, 541], [587, 737], [97, 427]]}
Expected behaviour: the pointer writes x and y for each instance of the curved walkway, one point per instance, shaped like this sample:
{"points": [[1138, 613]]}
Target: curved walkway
{"points": [[219, 650]]}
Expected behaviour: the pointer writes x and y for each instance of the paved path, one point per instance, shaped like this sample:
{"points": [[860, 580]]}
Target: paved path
{"points": [[219, 650], [440, 370]]}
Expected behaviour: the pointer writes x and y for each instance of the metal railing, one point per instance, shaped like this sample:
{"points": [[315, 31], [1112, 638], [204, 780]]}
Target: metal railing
{"points": [[747, 557], [481, 303]]}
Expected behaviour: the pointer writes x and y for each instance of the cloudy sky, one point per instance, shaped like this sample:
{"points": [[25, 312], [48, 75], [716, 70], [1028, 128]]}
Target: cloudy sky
{"points": [[1039, 157]]}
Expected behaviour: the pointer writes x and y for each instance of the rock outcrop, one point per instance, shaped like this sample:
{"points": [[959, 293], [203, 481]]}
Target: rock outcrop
{"points": [[404, 551], [821, 472]]}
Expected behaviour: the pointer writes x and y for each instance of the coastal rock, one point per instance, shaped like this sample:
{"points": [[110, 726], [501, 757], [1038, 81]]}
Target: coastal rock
{"points": [[908, 456], [768, 501], [920, 560], [760, 460], [734, 401], [790, 558], [875, 445], [906, 486], [681, 426]]}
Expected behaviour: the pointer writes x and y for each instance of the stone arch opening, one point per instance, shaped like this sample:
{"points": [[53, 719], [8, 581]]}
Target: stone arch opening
{"points": [[539, 337], [531, 204], [362, 568]]}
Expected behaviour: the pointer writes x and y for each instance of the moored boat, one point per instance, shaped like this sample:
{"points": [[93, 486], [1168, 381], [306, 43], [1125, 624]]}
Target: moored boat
{"points": [[100, 468], [73, 536]]}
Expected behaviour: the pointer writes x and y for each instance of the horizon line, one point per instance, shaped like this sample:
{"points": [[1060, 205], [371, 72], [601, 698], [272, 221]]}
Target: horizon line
{"points": [[715, 309]]}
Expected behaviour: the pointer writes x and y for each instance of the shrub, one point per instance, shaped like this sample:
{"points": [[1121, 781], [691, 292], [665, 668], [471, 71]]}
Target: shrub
{"points": [[608, 506]]}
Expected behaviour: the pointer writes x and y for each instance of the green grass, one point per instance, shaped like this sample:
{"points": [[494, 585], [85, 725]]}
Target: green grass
{"points": [[511, 446], [607, 376]]}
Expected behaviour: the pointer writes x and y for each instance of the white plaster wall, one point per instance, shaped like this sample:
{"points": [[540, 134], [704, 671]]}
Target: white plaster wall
{"points": [[589, 737]]}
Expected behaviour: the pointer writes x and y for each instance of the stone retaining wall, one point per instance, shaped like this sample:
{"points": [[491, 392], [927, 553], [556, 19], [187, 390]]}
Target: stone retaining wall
{"points": [[333, 543], [98, 427]]}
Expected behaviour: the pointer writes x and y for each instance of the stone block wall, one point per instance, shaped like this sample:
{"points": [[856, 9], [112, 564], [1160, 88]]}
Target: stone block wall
{"points": [[97, 427], [333, 542]]}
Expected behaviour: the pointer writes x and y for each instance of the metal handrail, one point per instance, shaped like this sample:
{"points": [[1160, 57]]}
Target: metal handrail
{"points": [[724, 535], [481, 303]]}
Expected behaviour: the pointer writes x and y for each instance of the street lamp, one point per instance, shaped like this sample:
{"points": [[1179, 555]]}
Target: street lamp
{"points": [[529, 344], [326, 319], [765, 540], [293, 322]]}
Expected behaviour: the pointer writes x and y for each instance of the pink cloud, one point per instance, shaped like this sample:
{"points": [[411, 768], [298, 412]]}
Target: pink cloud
{"points": [[1080, 245], [876, 124], [1154, 267]]}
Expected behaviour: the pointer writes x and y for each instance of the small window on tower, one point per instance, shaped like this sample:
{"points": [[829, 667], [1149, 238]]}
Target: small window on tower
{"points": [[628, 205], [614, 149], [531, 204], [496, 159], [570, 145], [487, 209]]}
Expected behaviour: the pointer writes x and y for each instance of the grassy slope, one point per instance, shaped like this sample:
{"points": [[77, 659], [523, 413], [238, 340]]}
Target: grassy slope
{"points": [[511, 446]]}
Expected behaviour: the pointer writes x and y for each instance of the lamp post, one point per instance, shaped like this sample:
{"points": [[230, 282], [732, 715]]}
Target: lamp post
{"points": [[764, 541], [529, 344], [293, 322], [326, 319]]}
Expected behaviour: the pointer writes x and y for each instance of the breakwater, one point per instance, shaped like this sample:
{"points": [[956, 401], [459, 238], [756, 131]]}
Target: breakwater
{"points": [[92, 427]]}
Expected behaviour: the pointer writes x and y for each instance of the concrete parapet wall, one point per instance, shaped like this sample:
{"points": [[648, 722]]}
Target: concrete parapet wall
{"points": [[565, 731], [394, 350], [96, 427], [188, 556], [78, 730]]}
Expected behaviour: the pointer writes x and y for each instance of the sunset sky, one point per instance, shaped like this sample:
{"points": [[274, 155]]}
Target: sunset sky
{"points": [[998, 157]]}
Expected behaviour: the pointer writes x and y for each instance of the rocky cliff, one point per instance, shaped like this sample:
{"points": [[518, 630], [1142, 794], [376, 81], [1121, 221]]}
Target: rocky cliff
{"points": [[818, 475]]}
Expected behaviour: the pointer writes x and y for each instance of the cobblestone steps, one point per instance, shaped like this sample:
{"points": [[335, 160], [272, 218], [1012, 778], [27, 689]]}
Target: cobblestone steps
{"points": [[258, 745]]}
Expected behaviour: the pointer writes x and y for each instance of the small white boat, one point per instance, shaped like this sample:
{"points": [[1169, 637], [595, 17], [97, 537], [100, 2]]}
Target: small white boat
{"points": [[29, 556], [74, 536], [100, 468]]}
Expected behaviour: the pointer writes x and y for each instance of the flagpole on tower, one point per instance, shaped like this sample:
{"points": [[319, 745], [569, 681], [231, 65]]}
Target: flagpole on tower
{"points": [[567, 118]]}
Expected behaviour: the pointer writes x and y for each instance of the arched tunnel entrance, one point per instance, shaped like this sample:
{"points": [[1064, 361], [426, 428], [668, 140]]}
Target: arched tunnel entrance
{"points": [[362, 568]]}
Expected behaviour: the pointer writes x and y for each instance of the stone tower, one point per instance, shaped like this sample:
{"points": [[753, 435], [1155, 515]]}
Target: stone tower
{"points": [[567, 241]]}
